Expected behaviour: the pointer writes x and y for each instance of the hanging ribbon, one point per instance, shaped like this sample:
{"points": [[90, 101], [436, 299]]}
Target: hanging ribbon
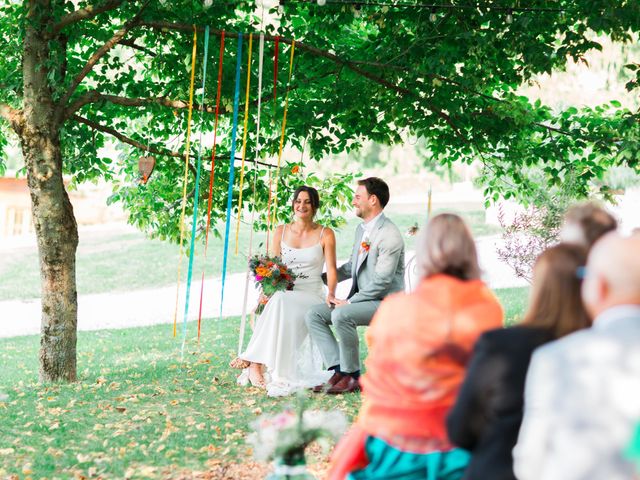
{"points": [[244, 140], [236, 104], [275, 72], [284, 124], [243, 321], [429, 205], [186, 170], [273, 120], [212, 176], [196, 196], [268, 236]]}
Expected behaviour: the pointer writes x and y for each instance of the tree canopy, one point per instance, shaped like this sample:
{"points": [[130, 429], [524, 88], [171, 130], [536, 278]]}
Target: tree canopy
{"points": [[449, 74]]}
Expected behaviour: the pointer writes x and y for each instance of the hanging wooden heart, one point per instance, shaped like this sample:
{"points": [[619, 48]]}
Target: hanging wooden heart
{"points": [[145, 167]]}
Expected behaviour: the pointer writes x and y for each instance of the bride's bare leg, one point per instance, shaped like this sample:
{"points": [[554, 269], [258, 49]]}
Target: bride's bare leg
{"points": [[256, 377]]}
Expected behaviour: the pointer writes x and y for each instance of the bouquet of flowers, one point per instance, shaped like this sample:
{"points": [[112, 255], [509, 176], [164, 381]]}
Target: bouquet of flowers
{"points": [[283, 438], [271, 276]]}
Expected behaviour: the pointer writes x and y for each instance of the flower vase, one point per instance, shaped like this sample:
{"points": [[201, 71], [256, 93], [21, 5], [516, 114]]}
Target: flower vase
{"points": [[290, 467]]}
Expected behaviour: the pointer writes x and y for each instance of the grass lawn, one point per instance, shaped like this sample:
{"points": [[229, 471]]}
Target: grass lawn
{"points": [[137, 410], [514, 302], [129, 261]]}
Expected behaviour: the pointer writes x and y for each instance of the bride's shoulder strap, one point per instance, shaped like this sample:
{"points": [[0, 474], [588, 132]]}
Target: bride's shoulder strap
{"points": [[284, 227], [321, 233]]}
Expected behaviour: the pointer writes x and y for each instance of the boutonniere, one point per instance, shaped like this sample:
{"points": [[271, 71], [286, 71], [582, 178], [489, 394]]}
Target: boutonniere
{"points": [[365, 246]]}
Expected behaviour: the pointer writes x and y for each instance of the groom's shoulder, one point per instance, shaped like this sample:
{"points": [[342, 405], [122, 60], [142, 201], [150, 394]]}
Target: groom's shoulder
{"points": [[391, 229], [389, 224]]}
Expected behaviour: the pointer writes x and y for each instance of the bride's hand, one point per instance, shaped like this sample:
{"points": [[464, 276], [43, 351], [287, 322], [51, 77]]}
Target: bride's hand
{"points": [[263, 299], [331, 300], [340, 303]]}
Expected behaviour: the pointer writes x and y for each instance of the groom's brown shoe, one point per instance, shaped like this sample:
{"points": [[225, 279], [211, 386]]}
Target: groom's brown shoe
{"points": [[335, 378], [347, 384]]}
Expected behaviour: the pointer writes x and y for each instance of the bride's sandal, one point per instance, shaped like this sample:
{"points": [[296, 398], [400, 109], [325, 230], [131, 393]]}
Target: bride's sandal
{"points": [[239, 363], [256, 379]]}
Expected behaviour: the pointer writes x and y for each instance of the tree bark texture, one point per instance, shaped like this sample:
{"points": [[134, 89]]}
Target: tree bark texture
{"points": [[55, 225]]}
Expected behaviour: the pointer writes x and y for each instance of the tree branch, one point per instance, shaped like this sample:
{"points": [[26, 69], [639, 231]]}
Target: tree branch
{"points": [[11, 115], [135, 46], [85, 14], [93, 96], [125, 139], [102, 51], [6, 112], [158, 151], [299, 45]]}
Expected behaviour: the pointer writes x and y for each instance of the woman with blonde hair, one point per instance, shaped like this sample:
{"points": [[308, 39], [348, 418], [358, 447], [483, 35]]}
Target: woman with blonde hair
{"points": [[419, 344], [487, 415]]}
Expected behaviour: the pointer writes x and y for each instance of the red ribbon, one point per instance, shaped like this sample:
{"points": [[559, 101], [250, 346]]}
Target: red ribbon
{"points": [[275, 106], [213, 166]]}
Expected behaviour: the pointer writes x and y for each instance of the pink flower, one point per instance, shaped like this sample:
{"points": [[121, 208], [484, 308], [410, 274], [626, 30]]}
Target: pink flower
{"points": [[258, 278]]}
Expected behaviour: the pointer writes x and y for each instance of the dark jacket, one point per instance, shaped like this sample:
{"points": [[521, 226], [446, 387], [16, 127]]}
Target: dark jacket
{"points": [[488, 412]]}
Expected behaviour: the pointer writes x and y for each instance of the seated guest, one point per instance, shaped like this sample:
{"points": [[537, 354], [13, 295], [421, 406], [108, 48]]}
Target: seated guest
{"points": [[582, 393], [488, 412], [419, 344], [586, 222]]}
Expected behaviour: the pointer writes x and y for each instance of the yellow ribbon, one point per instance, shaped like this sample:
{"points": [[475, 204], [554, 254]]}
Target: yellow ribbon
{"points": [[186, 169], [284, 124], [244, 139]]}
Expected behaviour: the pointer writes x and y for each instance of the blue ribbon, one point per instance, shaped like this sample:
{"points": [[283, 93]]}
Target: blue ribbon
{"points": [[196, 196], [236, 104]]}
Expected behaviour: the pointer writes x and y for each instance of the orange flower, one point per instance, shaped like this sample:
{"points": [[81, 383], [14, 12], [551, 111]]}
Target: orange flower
{"points": [[365, 246], [295, 169], [263, 272]]}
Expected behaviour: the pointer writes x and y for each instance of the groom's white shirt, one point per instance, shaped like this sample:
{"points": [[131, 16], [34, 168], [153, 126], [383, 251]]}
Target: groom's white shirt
{"points": [[368, 228]]}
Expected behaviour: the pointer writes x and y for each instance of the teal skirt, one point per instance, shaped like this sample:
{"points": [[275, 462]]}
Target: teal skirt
{"points": [[389, 463]]}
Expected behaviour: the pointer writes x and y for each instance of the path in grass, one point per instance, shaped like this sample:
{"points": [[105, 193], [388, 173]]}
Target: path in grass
{"points": [[123, 263]]}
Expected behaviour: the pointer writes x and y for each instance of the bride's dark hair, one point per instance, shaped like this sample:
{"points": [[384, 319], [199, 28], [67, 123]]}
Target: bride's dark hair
{"points": [[314, 197]]}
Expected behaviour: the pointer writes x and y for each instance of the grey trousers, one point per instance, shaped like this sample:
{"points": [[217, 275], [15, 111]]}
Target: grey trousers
{"points": [[345, 351]]}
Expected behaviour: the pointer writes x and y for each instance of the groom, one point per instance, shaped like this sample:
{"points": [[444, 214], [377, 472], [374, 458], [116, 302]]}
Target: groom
{"points": [[377, 269]]}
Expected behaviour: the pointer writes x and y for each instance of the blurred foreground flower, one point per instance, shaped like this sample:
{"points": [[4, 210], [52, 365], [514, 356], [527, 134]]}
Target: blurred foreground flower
{"points": [[283, 438]]}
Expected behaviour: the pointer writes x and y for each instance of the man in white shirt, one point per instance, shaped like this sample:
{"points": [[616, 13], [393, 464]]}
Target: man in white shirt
{"points": [[582, 396]]}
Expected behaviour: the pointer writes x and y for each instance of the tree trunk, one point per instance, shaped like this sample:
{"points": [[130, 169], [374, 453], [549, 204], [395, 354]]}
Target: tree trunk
{"points": [[53, 218]]}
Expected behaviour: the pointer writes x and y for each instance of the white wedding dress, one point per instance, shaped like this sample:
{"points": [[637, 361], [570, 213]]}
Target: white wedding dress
{"points": [[280, 340]]}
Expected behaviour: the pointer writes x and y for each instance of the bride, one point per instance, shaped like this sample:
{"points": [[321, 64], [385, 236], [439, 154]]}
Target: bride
{"points": [[280, 354]]}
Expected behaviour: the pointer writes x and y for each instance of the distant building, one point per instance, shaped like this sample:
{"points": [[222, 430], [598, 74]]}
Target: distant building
{"points": [[89, 207]]}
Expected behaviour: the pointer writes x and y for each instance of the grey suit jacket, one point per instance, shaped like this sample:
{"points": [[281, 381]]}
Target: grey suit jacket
{"points": [[381, 271], [582, 400]]}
